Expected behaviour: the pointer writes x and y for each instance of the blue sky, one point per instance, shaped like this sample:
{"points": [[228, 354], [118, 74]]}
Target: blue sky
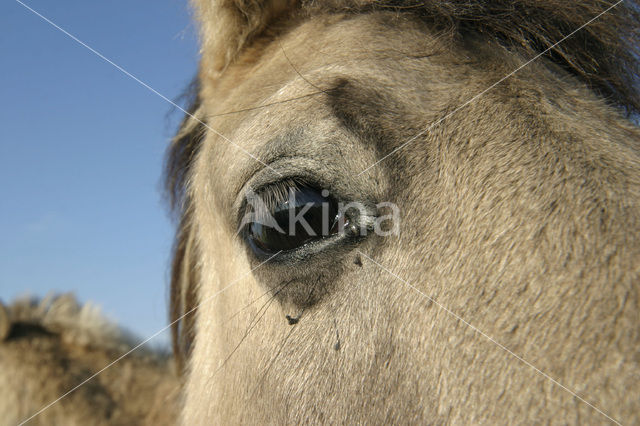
{"points": [[82, 148]]}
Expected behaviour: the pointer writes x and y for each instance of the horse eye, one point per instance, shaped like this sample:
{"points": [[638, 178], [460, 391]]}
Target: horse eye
{"points": [[281, 224]]}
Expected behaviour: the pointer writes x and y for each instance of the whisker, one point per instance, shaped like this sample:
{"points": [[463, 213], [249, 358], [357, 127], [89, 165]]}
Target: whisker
{"points": [[273, 360], [252, 324], [296, 98], [298, 72], [284, 341], [255, 300], [308, 95], [245, 308]]}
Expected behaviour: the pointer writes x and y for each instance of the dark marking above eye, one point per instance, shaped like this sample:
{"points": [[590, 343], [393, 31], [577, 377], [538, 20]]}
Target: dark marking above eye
{"points": [[367, 113], [376, 118]]}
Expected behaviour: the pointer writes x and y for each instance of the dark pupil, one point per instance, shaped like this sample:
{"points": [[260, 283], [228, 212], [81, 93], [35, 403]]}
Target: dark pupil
{"points": [[317, 217]]}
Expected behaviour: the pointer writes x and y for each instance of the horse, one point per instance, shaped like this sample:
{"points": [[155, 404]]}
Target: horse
{"points": [[501, 133], [66, 364], [387, 211]]}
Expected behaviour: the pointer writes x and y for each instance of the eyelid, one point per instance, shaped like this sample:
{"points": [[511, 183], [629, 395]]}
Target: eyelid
{"points": [[265, 181], [263, 242], [310, 172]]}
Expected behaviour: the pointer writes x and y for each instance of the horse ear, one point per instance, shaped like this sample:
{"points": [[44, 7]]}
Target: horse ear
{"points": [[226, 26], [5, 323]]}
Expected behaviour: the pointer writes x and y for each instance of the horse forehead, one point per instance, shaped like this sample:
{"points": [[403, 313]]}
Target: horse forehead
{"points": [[295, 79], [318, 49]]}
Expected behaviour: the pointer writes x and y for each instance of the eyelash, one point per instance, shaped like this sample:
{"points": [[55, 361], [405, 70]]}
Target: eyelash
{"points": [[278, 192]]}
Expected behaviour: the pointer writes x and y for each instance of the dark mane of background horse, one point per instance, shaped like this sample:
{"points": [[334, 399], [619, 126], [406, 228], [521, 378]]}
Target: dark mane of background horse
{"points": [[603, 55]]}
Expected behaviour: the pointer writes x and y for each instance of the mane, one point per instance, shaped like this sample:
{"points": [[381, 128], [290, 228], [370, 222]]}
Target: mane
{"points": [[178, 165], [79, 325]]}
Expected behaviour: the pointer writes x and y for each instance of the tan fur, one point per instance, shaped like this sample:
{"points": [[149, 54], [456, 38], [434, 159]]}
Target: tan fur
{"points": [[228, 25], [520, 214], [51, 346]]}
